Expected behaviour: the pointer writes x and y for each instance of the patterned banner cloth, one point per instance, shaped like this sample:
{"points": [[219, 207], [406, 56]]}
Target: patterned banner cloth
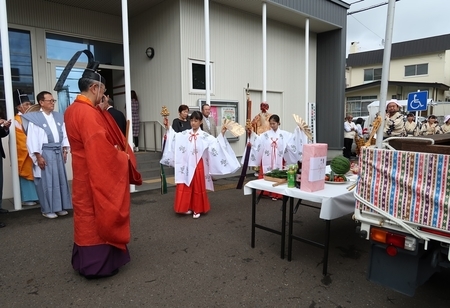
{"points": [[411, 186]]}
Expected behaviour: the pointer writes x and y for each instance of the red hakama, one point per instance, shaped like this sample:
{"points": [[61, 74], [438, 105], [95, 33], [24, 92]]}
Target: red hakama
{"points": [[193, 197]]}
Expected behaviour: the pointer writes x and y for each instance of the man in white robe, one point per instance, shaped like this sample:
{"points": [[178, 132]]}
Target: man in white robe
{"points": [[48, 147]]}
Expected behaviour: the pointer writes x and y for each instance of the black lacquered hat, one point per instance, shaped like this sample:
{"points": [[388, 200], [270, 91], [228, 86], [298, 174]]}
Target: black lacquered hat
{"points": [[20, 98], [90, 71]]}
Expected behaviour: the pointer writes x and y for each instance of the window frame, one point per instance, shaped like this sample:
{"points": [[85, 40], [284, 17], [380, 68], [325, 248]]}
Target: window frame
{"points": [[373, 71], [31, 87], [362, 101], [193, 90], [416, 69]]}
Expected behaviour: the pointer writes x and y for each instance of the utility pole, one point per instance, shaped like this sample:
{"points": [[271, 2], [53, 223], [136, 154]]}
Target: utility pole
{"points": [[385, 70]]}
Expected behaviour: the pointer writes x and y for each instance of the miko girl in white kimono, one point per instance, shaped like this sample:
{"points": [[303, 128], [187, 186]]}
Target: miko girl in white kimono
{"points": [[275, 148], [195, 156]]}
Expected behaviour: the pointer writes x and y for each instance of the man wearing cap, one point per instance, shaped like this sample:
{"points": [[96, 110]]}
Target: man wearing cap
{"points": [[393, 124], [101, 185], [431, 127], [48, 147], [25, 163], [445, 128]]}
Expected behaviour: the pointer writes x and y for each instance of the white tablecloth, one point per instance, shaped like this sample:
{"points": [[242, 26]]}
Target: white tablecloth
{"points": [[335, 199]]}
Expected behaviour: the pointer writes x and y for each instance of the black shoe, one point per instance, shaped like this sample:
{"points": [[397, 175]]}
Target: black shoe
{"points": [[3, 211], [2, 225]]}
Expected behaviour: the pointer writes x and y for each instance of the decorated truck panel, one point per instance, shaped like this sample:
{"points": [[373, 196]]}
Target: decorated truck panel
{"points": [[402, 203]]}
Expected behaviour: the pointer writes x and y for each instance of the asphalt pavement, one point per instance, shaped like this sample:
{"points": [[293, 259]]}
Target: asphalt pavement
{"points": [[178, 261]]}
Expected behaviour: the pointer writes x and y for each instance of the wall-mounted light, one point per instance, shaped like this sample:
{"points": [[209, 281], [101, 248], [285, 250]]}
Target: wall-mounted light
{"points": [[150, 52]]}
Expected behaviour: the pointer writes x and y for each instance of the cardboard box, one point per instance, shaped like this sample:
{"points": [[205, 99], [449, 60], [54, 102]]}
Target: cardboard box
{"points": [[314, 163]]}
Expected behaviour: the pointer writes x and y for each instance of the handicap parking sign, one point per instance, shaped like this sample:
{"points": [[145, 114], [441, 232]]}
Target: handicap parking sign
{"points": [[417, 101]]}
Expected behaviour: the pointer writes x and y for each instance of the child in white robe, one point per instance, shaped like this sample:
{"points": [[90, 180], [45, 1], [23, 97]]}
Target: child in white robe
{"points": [[275, 148], [196, 155]]}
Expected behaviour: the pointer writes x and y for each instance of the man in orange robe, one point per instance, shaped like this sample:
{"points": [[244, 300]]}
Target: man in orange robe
{"points": [[260, 122], [28, 192], [100, 187]]}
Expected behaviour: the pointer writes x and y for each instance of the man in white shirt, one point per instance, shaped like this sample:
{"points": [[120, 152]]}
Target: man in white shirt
{"points": [[349, 135], [48, 147], [209, 124]]}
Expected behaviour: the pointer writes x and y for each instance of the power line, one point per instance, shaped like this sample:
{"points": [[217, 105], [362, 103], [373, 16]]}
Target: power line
{"points": [[367, 27]]}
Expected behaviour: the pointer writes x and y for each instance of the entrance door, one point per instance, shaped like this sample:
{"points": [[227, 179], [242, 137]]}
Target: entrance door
{"points": [[113, 77], [274, 99]]}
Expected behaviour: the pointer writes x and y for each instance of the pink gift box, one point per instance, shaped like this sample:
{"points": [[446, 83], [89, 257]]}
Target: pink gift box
{"points": [[314, 163]]}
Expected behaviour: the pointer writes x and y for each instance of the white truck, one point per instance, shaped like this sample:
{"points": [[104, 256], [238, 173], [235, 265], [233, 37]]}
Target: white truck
{"points": [[403, 207]]}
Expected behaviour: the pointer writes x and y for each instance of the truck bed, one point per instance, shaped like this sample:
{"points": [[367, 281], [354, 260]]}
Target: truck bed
{"points": [[403, 209], [423, 144]]}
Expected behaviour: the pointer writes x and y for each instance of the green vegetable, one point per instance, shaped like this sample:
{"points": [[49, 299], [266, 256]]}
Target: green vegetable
{"points": [[277, 173]]}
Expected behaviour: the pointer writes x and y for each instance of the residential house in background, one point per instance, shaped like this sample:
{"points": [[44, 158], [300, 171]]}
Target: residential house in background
{"points": [[417, 65]]}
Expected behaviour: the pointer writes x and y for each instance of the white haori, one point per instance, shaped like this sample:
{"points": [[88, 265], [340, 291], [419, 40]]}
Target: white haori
{"points": [[183, 152]]}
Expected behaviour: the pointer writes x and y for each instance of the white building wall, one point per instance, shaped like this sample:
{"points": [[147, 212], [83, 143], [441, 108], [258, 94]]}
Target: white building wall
{"points": [[176, 30], [435, 69], [157, 82], [236, 53], [356, 74]]}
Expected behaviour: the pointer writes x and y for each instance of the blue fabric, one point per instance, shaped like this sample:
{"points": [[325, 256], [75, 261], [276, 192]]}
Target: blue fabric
{"points": [[52, 187], [37, 118], [27, 190]]}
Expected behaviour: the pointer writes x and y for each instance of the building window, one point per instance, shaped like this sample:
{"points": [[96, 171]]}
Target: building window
{"points": [[70, 90], [61, 47], [357, 105], [197, 75], [372, 74], [21, 65], [418, 69]]}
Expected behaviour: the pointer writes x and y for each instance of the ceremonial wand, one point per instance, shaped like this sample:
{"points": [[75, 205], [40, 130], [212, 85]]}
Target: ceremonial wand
{"points": [[248, 126], [165, 113]]}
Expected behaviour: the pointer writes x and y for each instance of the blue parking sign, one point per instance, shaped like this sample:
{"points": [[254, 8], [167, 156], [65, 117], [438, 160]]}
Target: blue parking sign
{"points": [[417, 101]]}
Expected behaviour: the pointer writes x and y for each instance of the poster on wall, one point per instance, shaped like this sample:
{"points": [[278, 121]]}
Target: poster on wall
{"points": [[222, 110]]}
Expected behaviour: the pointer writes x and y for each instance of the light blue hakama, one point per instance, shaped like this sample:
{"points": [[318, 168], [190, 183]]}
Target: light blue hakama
{"points": [[27, 190]]}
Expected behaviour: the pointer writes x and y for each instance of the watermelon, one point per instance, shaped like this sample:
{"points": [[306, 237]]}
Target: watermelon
{"points": [[340, 165]]}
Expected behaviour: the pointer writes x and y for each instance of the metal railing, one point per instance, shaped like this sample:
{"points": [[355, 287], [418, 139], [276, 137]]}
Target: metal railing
{"points": [[158, 133]]}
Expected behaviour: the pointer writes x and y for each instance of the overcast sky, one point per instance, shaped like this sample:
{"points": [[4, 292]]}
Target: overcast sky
{"points": [[413, 19]]}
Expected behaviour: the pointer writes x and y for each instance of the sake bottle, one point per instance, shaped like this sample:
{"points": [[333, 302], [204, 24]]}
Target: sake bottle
{"points": [[291, 177]]}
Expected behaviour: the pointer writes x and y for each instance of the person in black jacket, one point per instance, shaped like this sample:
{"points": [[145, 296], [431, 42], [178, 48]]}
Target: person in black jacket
{"points": [[116, 114], [182, 122], [4, 131]]}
